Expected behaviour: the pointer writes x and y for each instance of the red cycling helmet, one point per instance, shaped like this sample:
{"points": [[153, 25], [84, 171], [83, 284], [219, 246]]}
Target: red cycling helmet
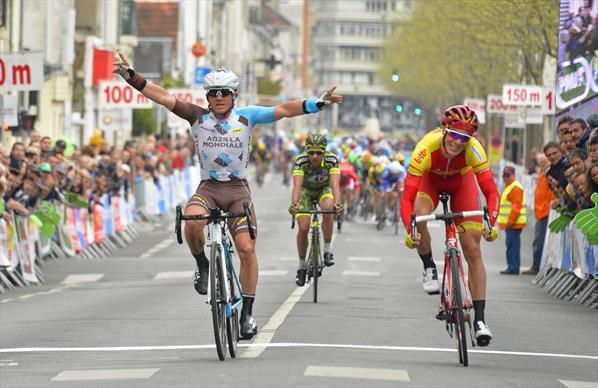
{"points": [[461, 117]]}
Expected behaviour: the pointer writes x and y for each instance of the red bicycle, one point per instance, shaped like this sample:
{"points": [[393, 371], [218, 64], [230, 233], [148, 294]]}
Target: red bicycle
{"points": [[455, 299]]}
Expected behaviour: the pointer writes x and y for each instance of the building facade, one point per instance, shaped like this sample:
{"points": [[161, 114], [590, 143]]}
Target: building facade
{"points": [[347, 49]]}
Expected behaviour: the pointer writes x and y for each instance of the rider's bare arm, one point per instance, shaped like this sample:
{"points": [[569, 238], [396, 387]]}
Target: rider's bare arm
{"points": [[311, 105]]}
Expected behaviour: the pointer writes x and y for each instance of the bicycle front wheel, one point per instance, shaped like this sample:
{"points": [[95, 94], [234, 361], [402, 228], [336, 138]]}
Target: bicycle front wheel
{"points": [[218, 300], [232, 322], [314, 266], [458, 309]]}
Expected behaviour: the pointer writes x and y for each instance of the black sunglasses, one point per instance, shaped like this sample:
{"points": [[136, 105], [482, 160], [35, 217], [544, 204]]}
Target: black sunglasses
{"points": [[223, 92], [315, 152]]}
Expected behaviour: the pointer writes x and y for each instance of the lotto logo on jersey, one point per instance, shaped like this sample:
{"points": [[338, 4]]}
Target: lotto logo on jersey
{"points": [[421, 155], [237, 131]]}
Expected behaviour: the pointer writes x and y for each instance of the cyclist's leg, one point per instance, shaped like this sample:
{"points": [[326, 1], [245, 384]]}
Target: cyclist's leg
{"points": [[376, 200], [238, 193], [199, 203], [303, 219], [466, 198], [327, 204], [425, 203]]}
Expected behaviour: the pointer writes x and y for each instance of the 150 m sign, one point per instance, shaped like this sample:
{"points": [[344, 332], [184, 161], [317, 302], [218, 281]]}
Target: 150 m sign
{"points": [[117, 94], [526, 95], [21, 71]]}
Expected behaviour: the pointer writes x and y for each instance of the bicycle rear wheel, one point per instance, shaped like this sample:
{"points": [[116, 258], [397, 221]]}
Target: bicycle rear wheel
{"points": [[232, 322], [458, 310], [218, 300]]}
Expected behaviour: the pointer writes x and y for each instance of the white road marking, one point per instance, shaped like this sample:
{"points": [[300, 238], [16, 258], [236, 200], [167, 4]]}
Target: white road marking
{"points": [[83, 278], [267, 332], [293, 345], [579, 384], [8, 363], [28, 296], [273, 273], [360, 273], [105, 374], [174, 275], [355, 258], [158, 247], [358, 373]]}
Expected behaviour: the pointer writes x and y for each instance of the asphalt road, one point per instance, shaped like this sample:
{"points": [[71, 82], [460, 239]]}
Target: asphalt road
{"points": [[134, 320]]}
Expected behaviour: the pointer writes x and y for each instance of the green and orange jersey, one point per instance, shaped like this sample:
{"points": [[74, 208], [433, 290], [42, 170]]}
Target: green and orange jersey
{"points": [[427, 157]]}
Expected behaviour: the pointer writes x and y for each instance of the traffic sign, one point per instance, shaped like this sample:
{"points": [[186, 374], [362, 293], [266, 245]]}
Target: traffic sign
{"points": [[200, 74], [526, 95]]}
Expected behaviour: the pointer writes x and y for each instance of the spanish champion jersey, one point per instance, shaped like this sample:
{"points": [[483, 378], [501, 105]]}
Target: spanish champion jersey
{"points": [[316, 178], [223, 146], [427, 156]]}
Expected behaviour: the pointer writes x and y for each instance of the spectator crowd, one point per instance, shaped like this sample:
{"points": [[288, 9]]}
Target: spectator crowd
{"points": [[567, 171], [46, 170]]}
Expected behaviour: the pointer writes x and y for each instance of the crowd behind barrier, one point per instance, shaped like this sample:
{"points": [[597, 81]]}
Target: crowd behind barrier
{"points": [[567, 268], [61, 202]]}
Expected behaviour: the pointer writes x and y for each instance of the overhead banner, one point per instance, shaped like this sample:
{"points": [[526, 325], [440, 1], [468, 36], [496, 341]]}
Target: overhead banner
{"points": [[577, 65], [21, 72]]}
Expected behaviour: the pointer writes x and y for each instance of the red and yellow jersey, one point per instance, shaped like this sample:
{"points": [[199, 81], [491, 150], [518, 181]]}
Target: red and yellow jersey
{"points": [[427, 156]]}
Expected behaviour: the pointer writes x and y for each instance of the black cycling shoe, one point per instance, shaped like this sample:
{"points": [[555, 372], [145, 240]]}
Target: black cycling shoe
{"points": [[248, 327], [200, 283], [300, 278], [328, 259]]}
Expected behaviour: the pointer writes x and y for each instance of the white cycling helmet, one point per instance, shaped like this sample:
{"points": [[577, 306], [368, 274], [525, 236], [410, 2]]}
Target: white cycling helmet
{"points": [[221, 78], [395, 167]]}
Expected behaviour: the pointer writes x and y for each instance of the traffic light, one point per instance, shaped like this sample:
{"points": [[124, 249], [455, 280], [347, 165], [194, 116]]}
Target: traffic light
{"points": [[417, 111], [399, 108], [395, 76]]}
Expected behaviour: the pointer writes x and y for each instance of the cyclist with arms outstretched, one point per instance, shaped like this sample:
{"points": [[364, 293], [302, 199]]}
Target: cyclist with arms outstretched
{"points": [[316, 176], [449, 159], [222, 134]]}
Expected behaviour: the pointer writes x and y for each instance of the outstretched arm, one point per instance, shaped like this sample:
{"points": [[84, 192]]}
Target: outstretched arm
{"points": [[310, 105], [150, 90]]}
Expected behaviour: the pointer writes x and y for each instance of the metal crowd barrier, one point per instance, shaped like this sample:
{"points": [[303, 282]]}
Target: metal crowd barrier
{"points": [[89, 233]]}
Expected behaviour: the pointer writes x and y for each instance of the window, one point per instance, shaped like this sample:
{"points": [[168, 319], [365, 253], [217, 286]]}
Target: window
{"points": [[2, 13], [128, 19]]}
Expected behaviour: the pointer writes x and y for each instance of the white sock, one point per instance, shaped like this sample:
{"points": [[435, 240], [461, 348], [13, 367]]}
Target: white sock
{"points": [[327, 246]]}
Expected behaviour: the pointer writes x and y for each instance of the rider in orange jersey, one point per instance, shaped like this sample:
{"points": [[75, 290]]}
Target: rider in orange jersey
{"points": [[447, 159]]}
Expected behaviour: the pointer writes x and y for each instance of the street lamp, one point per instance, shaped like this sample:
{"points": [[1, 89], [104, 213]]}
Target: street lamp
{"points": [[417, 111], [395, 76], [399, 108]]}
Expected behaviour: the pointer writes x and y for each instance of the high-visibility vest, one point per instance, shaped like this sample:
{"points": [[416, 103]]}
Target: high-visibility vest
{"points": [[506, 205]]}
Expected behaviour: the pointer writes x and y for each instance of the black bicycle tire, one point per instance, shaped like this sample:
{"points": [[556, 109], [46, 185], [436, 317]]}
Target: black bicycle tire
{"points": [[218, 309], [313, 259], [232, 323], [458, 309]]}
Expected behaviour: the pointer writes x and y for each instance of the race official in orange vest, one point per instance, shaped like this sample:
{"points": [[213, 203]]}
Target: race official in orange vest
{"points": [[512, 218]]}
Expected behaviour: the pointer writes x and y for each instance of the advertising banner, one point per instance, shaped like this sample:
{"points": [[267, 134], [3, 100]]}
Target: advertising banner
{"points": [[577, 64]]}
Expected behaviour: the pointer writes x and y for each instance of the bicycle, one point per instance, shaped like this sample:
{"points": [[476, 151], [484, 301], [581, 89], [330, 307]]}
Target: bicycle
{"points": [[315, 262], [455, 299], [224, 287]]}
